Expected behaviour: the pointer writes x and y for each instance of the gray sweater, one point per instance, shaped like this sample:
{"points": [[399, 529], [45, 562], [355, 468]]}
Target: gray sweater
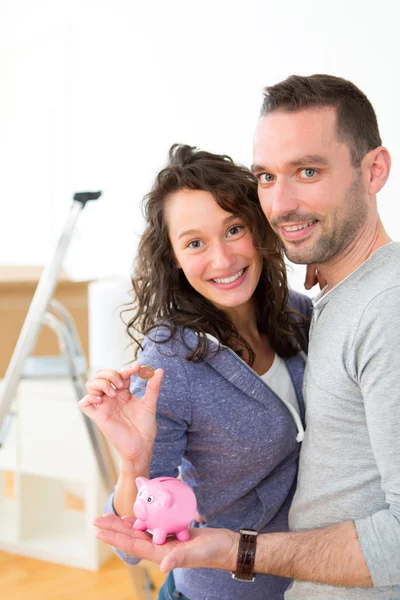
{"points": [[236, 443], [350, 458]]}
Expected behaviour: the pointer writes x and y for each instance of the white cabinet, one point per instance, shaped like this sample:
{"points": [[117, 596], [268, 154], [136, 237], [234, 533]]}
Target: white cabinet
{"points": [[47, 452]]}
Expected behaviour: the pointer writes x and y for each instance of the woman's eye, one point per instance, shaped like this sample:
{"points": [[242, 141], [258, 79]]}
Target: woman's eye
{"points": [[235, 229], [195, 244], [309, 173]]}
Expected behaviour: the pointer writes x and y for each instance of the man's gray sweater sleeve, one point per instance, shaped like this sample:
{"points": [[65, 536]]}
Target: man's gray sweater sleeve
{"points": [[376, 356]]}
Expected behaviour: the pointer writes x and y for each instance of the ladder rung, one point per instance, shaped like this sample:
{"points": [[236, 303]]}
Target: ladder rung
{"points": [[52, 366]]}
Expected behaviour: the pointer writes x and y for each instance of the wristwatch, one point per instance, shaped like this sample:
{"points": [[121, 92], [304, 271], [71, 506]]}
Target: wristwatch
{"points": [[246, 555]]}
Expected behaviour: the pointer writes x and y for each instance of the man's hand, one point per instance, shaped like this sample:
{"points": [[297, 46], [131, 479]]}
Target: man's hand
{"points": [[331, 555], [210, 548], [314, 277]]}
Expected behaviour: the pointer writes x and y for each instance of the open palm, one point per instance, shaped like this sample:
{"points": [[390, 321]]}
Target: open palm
{"points": [[210, 548]]}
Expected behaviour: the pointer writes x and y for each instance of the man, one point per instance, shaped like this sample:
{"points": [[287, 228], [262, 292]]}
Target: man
{"points": [[320, 163]]}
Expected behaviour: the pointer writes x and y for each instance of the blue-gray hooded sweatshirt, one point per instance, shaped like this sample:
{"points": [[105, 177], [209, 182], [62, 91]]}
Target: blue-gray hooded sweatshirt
{"points": [[235, 441]]}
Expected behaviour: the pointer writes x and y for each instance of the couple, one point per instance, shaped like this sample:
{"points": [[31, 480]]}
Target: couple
{"points": [[212, 299]]}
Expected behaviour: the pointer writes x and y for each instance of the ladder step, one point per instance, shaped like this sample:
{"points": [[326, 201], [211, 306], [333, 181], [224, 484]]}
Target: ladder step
{"points": [[51, 366]]}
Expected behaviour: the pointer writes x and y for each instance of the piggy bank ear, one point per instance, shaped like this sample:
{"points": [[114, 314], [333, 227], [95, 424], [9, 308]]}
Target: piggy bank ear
{"points": [[168, 499], [141, 482]]}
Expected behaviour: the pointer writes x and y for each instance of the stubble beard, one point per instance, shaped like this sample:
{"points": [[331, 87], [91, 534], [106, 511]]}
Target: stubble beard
{"points": [[346, 225]]}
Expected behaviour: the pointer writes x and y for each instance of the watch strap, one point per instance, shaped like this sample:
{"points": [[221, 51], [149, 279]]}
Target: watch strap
{"points": [[246, 555]]}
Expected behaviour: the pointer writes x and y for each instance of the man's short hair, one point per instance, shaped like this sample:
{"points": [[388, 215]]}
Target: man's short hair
{"points": [[356, 122]]}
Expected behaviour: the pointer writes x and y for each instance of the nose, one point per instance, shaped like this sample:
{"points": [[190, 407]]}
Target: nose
{"points": [[223, 256], [279, 200], [140, 509]]}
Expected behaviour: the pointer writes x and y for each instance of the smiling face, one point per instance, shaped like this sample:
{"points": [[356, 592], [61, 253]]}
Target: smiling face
{"points": [[213, 248], [310, 192]]}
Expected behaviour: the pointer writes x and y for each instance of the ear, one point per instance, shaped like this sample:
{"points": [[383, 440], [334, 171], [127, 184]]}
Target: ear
{"points": [[141, 482], [378, 163], [168, 498]]}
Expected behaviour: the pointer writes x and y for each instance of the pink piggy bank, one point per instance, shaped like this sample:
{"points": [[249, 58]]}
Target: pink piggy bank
{"points": [[164, 505]]}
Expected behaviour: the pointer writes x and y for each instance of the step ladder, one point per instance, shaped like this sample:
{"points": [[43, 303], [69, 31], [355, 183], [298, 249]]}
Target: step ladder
{"points": [[45, 310]]}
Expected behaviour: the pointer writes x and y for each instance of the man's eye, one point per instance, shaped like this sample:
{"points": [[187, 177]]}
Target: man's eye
{"points": [[265, 178], [309, 173]]}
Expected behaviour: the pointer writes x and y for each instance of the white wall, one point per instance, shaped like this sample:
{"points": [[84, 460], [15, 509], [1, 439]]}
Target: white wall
{"points": [[93, 92]]}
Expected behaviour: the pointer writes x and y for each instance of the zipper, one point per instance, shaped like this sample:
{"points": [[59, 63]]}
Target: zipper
{"points": [[294, 414]]}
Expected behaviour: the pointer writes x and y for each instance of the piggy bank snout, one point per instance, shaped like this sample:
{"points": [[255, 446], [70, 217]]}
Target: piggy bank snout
{"points": [[140, 509]]}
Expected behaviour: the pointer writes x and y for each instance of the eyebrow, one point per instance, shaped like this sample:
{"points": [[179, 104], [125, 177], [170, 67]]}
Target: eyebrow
{"points": [[307, 159], [193, 231]]}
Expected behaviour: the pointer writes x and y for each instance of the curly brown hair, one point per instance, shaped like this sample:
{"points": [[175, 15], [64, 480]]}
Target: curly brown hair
{"points": [[162, 294]]}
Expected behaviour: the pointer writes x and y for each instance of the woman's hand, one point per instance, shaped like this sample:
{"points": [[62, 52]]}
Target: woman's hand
{"points": [[209, 548], [128, 423]]}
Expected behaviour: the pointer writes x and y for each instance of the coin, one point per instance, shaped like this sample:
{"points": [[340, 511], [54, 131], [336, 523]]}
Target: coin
{"points": [[146, 372]]}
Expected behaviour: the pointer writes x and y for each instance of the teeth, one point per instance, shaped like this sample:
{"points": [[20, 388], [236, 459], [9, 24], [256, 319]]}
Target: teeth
{"points": [[230, 279], [298, 227]]}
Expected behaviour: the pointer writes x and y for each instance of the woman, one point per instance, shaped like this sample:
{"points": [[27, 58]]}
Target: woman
{"points": [[211, 299]]}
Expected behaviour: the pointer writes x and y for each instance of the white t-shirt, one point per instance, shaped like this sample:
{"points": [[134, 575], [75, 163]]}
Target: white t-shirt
{"points": [[278, 379]]}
